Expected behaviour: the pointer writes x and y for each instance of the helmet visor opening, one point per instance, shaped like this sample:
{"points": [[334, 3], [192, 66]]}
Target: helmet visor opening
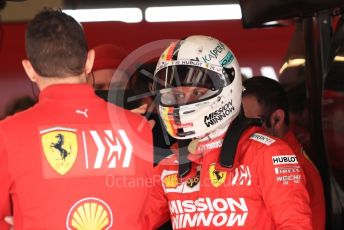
{"points": [[185, 84], [184, 75], [184, 95]]}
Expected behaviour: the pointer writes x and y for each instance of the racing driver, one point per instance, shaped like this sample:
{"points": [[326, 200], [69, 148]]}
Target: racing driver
{"points": [[224, 173]]}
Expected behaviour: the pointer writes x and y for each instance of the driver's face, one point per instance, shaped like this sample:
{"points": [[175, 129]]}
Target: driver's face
{"points": [[183, 95]]}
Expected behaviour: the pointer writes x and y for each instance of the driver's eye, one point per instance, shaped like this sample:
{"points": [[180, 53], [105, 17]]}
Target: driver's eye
{"points": [[198, 93], [179, 95]]}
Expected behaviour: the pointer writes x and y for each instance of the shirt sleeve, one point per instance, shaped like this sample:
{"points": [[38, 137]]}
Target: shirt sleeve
{"points": [[5, 201], [156, 211], [282, 184]]}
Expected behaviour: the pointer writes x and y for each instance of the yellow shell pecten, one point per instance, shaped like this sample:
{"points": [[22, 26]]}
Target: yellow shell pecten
{"points": [[90, 216]]}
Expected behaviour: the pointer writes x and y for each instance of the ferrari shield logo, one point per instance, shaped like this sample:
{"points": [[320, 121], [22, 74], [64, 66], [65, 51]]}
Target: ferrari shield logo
{"points": [[216, 177], [60, 148]]}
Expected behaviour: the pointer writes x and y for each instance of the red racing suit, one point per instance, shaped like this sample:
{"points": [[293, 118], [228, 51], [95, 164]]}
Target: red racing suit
{"points": [[74, 161], [265, 189], [314, 183]]}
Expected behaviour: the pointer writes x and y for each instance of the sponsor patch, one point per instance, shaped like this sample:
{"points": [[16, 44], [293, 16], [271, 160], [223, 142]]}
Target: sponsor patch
{"points": [[296, 178], [284, 159], [289, 173], [262, 138], [197, 147], [287, 170], [208, 212], [209, 145], [192, 182], [171, 181], [216, 177], [242, 176], [90, 213]]}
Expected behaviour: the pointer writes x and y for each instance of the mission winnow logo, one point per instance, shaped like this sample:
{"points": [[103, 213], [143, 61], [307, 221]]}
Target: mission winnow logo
{"points": [[219, 114], [208, 212]]}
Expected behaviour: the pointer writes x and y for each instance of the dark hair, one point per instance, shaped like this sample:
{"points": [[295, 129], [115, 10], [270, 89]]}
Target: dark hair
{"points": [[269, 94], [55, 44]]}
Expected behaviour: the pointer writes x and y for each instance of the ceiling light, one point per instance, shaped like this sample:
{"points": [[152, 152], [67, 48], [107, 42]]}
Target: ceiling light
{"points": [[129, 15], [272, 23], [193, 13], [246, 71], [268, 71], [339, 58], [292, 63]]}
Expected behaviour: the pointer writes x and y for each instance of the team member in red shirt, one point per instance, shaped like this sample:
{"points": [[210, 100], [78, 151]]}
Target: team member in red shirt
{"points": [[72, 161], [264, 97], [225, 173]]}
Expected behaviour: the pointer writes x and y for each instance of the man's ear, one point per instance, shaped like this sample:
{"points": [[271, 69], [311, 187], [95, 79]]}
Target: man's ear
{"points": [[277, 118], [89, 61], [30, 71]]}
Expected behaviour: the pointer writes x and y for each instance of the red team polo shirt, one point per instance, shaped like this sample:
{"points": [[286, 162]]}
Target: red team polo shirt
{"points": [[74, 161], [264, 190], [314, 183]]}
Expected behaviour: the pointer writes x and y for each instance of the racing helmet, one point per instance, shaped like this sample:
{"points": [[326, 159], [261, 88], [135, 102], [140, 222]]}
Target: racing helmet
{"points": [[198, 85]]}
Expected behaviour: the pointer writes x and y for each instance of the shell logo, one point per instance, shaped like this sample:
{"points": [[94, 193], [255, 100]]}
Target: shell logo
{"points": [[89, 214], [171, 181]]}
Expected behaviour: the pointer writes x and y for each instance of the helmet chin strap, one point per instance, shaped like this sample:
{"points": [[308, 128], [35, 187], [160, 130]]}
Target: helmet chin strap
{"points": [[232, 137], [184, 163]]}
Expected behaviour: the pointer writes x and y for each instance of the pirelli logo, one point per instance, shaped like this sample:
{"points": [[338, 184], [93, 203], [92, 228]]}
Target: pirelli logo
{"points": [[287, 170], [286, 159]]}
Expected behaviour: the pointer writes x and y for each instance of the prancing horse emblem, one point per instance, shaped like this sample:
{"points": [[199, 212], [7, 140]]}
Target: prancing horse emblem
{"points": [[59, 146], [217, 177]]}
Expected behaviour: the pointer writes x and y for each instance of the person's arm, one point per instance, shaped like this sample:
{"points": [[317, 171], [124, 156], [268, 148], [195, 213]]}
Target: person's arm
{"points": [[282, 183], [142, 109], [156, 211], [5, 201]]}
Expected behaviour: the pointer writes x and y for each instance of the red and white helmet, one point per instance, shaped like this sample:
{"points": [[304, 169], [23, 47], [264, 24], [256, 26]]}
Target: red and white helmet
{"points": [[209, 69]]}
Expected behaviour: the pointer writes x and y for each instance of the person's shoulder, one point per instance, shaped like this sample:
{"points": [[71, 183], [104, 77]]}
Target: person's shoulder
{"points": [[262, 141], [271, 150]]}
